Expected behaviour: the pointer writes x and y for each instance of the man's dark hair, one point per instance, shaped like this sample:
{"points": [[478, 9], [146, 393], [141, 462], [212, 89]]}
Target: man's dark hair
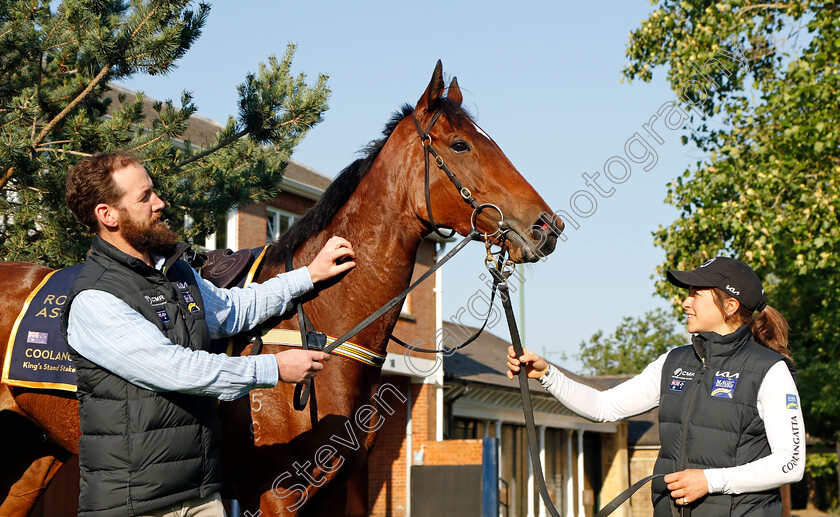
{"points": [[91, 181]]}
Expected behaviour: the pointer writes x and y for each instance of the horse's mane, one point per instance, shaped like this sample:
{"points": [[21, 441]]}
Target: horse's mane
{"points": [[319, 216]]}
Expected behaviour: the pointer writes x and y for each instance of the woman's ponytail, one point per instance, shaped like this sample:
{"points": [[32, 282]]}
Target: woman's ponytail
{"points": [[770, 328]]}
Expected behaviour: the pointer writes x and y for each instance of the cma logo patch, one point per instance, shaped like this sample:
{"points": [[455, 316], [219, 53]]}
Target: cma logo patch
{"points": [[679, 378], [181, 285], [724, 386], [155, 300], [683, 375], [791, 402]]}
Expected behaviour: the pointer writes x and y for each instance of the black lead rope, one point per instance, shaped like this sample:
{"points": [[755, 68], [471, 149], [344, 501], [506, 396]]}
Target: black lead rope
{"points": [[497, 274], [620, 498], [528, 410], [473, 235], [311, 340]]}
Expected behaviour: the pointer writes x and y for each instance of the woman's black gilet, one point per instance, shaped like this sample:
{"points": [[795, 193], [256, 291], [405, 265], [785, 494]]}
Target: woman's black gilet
{"points": [[708, 419]]}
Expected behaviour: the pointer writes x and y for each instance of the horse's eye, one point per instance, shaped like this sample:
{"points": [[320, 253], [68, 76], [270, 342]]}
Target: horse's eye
{"points": [[459, 146]]}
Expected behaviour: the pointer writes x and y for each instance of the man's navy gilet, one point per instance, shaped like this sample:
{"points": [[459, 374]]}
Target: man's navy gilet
{"points": [[142, 450], [708, 419]]}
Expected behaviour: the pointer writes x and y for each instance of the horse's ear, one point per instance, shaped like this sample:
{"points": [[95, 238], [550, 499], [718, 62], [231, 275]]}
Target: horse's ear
{"points": [[454, 92], [434, 90]]}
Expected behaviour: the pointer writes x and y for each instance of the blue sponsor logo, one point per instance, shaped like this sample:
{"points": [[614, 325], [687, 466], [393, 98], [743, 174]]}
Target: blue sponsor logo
{"points": [[724, 387], [188, 297], [791, 402], [164, 316]]}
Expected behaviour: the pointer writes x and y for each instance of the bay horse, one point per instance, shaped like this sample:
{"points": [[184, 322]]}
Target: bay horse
{"points": [[379, 204]]}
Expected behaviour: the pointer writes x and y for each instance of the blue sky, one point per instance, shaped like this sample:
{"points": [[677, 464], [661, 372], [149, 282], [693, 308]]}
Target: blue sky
{"points": [[542, 78]]}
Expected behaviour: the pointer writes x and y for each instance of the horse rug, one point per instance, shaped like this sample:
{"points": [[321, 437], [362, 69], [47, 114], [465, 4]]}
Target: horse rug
{"points": [[37, 356]]}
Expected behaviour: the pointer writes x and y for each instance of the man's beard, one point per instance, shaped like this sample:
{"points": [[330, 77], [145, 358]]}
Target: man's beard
{"points": [[155, 238]]}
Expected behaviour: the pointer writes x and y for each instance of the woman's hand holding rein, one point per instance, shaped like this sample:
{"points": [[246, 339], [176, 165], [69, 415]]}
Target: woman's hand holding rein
{"points": [[534, 365]]}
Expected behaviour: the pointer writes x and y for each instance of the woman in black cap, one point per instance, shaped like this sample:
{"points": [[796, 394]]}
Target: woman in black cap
{"points": [[730, 422]]}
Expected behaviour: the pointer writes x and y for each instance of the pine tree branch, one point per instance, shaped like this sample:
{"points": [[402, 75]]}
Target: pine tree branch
{"points": [[12, 121], [61, 44], [153, 140], [58, 118], [102, 73], [6, 177], [57, 23], [62, 151], [136, 57], [55, 142], [143, 23], [213, 149]]}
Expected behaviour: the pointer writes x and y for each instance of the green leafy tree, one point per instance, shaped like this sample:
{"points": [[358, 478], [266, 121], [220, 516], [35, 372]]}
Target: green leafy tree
{"points": [[55, 65], [634, 344], [766, 190]]}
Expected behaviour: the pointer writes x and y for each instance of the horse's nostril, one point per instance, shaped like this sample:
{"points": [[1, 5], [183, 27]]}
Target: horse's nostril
{"points": [[550, 223]]}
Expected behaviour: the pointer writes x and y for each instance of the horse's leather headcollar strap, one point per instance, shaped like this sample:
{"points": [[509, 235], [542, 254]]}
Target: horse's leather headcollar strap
{"points": [[428, 148]]}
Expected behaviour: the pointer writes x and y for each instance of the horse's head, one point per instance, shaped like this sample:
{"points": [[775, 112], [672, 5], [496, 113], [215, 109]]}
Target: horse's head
{"points": [[454, 144]]}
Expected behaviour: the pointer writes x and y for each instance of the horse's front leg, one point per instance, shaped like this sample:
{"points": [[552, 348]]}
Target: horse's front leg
{"points": [[30, 461]]}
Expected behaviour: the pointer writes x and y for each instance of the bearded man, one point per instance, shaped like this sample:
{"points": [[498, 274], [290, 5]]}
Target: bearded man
{"points": [[139, 322]]}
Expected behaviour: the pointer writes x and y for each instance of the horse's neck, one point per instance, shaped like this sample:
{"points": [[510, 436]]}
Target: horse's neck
{"points": [[386, 235]]}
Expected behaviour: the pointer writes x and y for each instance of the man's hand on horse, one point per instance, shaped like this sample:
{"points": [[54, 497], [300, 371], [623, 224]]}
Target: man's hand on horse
{"points": [[299, 365], [534, 365], [335, 258]]}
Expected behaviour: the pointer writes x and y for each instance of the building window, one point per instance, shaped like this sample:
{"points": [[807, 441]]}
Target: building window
{"points": [[464, 429], [278, 222], [223, 238], [405, 310]]}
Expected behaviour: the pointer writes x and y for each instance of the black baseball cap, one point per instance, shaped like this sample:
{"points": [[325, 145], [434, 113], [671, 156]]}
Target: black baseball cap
{"points": [[733, 277]]}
